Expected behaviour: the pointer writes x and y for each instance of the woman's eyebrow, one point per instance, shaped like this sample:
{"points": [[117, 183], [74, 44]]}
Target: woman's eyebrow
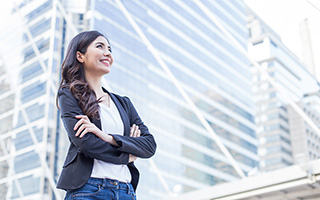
{"points": [[100, 43], [108, 46]]}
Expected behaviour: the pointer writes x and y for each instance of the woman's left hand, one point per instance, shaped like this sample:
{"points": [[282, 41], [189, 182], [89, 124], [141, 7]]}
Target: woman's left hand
{"points": [[84, 126]]}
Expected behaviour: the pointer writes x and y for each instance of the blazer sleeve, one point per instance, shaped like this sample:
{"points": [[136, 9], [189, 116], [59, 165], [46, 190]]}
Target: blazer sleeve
{"points": [[143, 146], [91, 145]]}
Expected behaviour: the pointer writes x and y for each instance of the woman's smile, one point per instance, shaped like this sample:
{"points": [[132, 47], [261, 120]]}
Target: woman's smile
{"points": [[105, 62], [98, 52]]}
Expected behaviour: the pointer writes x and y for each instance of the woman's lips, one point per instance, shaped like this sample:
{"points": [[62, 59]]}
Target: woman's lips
{"points": [[106, 62]]}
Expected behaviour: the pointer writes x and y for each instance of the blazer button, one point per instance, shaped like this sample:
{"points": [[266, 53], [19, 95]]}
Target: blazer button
{"points": [[79, 150]]}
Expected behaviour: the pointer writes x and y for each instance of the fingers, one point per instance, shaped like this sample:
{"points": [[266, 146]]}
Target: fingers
{"points": [[82, 125], [83, 118], [132, 130], [84, 132], [138, 133], [135, 131]]}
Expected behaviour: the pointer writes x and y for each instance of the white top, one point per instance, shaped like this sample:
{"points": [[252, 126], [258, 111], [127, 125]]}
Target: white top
{"points": [[111, 123]]}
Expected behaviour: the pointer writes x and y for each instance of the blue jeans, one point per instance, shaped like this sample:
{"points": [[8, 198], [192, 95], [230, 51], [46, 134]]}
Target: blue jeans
{"points": [[106, 189]]}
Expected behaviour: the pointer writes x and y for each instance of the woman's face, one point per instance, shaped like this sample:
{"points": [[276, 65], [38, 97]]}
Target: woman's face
{"points": [[97, 60]]}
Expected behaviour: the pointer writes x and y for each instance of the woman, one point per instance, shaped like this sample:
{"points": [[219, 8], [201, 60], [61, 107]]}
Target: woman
{"points": [[106, 133]]}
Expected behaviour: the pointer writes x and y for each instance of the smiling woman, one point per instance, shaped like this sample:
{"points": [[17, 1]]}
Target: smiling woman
{"points": [[98, 57], [106, 133]]}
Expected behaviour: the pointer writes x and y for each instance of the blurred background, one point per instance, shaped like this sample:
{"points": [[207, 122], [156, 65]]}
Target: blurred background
{"points": [[229, 89]]}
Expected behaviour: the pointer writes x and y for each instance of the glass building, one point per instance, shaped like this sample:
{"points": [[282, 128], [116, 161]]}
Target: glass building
{"points": [[305, 140], [279, 133], [31, 56], [214, 74]]}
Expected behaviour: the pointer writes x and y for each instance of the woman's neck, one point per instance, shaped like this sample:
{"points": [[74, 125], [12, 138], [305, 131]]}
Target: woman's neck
{"points": [[95, 84]]}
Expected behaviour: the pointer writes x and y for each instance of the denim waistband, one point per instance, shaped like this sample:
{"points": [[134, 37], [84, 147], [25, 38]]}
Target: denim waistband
{"points": [[105, 182]]}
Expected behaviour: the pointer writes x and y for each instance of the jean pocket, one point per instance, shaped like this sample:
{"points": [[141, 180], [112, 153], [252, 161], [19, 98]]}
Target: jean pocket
{"points": [[86, 191]]}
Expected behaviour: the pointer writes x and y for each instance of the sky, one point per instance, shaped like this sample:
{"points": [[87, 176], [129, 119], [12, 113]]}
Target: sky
{"points": [[284, 17]]}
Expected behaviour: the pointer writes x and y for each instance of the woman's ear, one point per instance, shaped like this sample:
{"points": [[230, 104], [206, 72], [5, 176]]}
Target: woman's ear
{"points": [[80, 57]]}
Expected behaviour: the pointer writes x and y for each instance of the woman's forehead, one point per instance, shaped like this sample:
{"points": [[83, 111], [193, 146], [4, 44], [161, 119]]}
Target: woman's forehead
{"points": [[101, 39]]}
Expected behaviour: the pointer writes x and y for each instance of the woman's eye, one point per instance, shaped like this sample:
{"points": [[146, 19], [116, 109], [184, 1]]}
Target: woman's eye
{"points": [[99, 46]]}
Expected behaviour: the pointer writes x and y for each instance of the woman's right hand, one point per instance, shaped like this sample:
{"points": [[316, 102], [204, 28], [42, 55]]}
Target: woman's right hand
{"points": [[134, 132]]}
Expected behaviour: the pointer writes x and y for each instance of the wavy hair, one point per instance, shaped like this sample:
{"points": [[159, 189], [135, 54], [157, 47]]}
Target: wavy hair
{"points": [[72, 74]]}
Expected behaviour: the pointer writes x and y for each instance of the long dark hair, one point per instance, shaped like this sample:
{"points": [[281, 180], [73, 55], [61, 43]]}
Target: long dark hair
{"points": [[72, 74]]}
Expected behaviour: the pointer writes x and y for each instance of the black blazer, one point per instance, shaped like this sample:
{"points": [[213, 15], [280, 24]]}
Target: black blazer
{"points": [[78, 165]]}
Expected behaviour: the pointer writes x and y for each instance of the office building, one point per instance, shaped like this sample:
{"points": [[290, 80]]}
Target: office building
{"points": [[305, 140], [214, 74], [274, 117], [31, 53]]}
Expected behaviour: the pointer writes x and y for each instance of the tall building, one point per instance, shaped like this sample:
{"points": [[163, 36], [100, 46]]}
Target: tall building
{"points": [[276, 127], [214, 74], [31, 54], [305, 140]]}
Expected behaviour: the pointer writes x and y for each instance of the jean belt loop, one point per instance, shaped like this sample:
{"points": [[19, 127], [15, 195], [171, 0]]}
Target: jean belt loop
{"points": [[104, 183], [128, 188]]}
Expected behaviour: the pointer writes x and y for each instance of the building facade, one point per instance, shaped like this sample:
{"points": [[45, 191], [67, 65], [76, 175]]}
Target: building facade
{"points": [[213, 73], [305, 140], [31, 55], [276, 129]]}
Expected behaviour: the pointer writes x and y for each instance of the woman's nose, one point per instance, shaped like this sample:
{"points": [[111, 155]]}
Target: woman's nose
{"points": [[107, 53]]}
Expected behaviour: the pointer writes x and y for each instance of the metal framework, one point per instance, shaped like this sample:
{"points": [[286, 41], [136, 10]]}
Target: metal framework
{"points": [[208, 193], [195, 109], [19, 107], [215, 20]]}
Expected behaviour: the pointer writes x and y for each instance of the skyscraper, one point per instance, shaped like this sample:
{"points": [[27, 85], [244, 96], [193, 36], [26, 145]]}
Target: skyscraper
{"points": [[305, 140], [204, 63], [215, 75], [275, 118], [31, 54]]}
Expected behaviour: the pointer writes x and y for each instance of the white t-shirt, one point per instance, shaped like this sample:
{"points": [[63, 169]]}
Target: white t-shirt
{"points": [[111, 123]]}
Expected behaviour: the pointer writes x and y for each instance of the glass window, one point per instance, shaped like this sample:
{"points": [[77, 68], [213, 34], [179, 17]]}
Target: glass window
{"points": [[33, 91], [23, 139], [26, 161], [35, 111], [39, 11], [6, 124], [29, 185], [31, 71], [40, 27], [42, 45]]}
